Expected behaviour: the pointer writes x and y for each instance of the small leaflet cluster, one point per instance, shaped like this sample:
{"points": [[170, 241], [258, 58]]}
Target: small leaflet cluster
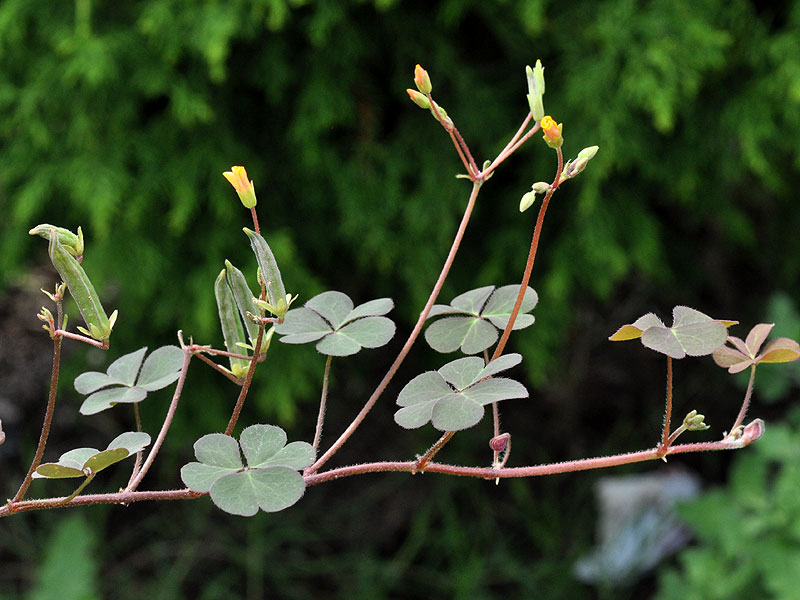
{"points": [[271, 480], [119, 384], [339, 328]]}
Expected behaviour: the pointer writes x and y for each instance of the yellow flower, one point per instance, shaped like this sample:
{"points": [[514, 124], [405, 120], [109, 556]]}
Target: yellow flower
{"points": [[552, 131], [237, 177]]}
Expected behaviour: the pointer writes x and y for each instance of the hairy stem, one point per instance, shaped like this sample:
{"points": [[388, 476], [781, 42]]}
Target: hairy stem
{"points": [[138, 462], [219, 369], [128, 496], [526, 276], [322, 400], [476, 186], [173, 406], [665, 438], [247, 381], [48, 419], [746, 404], [513, 145], [80, 488], [255, 219]]}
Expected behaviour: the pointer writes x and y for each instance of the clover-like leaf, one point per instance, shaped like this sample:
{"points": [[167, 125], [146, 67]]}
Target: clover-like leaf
{"points": [[339, 329], [82, 462], [161, 368], [270, 480], [745, 353], [478, 315], [692, 333], [271, 490], [453, 398]]}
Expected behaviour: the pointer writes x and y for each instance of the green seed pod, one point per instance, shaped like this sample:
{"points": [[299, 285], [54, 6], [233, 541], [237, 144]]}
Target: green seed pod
{"points": [[82, 290], [244, 300], [276, 293], [232, 330], [72, 243]]}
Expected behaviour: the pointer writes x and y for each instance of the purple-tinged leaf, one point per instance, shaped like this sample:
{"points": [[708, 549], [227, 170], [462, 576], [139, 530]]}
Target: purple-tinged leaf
{"points": [[731, 359], [780, 350], [757, 336], [740, 345]]}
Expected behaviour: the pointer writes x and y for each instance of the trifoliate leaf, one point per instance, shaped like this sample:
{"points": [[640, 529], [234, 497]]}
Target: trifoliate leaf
{"points": [[453, 398], [270, 481], [478, 315], [161, 368], [692, 333], [339, 329]]}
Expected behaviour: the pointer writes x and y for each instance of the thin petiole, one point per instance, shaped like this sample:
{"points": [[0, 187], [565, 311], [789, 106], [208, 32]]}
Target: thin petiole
{"points": [[322, 403], [665, 438], [746, 403], [80, 488]]}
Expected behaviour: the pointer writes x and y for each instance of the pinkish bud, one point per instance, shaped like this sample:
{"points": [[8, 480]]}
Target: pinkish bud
{"points": [[499, 443], [752, 432]]}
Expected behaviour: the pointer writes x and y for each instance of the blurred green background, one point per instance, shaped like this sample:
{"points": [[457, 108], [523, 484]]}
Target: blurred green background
{"points": [[121, 117]]}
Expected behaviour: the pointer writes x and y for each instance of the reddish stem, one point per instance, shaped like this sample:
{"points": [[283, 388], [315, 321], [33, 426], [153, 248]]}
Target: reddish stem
{"points": [[173, 406], [48, 419], [247, 381], [411, 338], [665, 438]]}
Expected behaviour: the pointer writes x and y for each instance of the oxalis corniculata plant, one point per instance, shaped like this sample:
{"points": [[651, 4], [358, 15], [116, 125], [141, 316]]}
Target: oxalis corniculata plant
{"points": [[452, 398]]}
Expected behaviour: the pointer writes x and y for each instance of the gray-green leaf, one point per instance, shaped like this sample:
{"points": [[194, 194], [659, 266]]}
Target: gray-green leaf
{"points": [[339, 329], [479, 314], [272, 489]]}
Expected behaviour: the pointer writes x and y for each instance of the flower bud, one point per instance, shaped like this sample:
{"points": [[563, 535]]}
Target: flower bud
{"points": [[536, 90], [552, 132], [694, 422], [541, 187], [499, 443], [237, 177], [527, 201], [420, 100], [753, 431], [422, 80]]}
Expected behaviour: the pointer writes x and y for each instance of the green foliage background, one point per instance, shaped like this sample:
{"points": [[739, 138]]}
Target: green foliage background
{"points": [[121, 117]]}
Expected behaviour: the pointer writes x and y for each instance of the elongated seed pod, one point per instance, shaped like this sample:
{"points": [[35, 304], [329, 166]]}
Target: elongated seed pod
{"points": [[98, 324], [276, 293], [243, 296], [72, 243], [231, 323]]}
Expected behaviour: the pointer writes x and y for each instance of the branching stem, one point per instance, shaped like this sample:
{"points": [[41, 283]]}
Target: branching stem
{"points": [[173, 406], [411, 338], [247, 381]]}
